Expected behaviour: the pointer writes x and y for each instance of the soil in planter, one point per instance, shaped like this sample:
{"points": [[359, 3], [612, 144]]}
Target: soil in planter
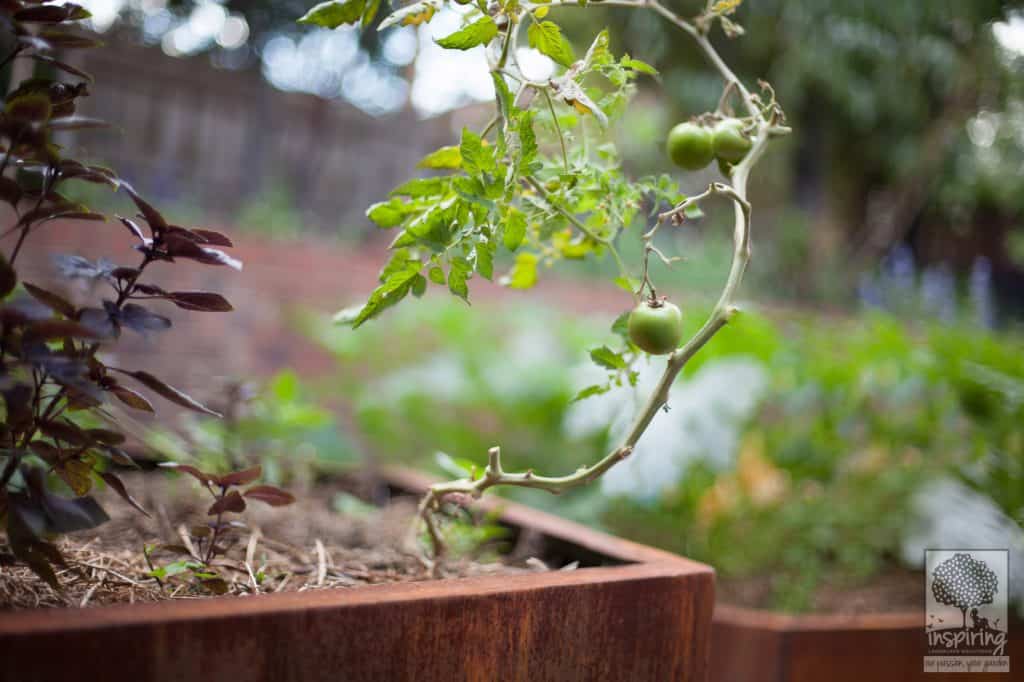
{"points": [[895, 590], [308, 545]]}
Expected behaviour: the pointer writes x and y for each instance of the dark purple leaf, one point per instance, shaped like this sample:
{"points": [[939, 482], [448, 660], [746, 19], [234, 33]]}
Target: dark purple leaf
{"points": [[153, 217], [26, 545], [133, 227], [65, 431], [45, 451], [192, 471], [60, 329], [10, 191], [268, 494], [218, 257], [44, 14], [118, 487], [31, 107], [200, 300], [63, 66], [8, 277], [213, 238], [51, 300], [57, 38], [125, 273], [240, 477], [132, 399], [170, 393], [106, 436], [150, 290], [232, 502]]}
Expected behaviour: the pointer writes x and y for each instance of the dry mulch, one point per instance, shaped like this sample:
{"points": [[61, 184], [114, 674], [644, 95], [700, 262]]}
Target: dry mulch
{"points": [[304, 546]]}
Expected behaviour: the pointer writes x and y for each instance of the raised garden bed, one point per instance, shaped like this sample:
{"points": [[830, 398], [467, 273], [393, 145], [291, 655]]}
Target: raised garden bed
{"points": [[628, 613], [749, 645]]}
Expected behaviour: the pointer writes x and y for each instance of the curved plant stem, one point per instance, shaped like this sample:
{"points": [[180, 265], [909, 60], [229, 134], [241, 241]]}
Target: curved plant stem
{"points": [[607, 242], [558, 129], [724, 310]]}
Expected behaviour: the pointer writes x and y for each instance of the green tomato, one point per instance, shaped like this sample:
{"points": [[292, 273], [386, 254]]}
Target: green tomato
{"points": [[656, 327], [690, 146], [731, 144]]}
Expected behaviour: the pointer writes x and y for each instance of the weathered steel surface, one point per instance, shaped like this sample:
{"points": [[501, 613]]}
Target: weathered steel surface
{"points": [[646, 620], [759, 646]]}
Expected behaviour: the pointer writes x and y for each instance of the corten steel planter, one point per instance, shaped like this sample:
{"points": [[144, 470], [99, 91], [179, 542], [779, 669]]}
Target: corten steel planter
{"points": [[749, 645], [634, 613]]}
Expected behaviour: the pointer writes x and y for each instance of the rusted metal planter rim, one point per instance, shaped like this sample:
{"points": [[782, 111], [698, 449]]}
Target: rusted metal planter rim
{"points": [[641, 563]]}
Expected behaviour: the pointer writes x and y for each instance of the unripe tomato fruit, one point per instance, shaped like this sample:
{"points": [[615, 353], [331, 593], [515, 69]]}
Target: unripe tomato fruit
{"points": [[656, 327], [690, 146], [731, 145]]}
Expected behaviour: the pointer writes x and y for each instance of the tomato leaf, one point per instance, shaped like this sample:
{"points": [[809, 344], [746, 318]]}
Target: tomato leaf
{"points": [[607, 358], [480, 32], [445, 157], [589, 391], [412, 15], [547, 38], [334, 13]]}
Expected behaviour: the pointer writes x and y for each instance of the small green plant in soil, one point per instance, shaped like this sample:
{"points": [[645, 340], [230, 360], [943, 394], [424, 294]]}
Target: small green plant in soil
{"points": [[206, 542]]}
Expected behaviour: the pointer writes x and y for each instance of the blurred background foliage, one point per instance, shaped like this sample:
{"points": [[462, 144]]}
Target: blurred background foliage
{"points": [[825, 470], [910, 115]]}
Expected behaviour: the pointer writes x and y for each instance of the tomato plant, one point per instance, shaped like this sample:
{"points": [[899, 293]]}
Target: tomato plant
{"points": [[543, 181]]}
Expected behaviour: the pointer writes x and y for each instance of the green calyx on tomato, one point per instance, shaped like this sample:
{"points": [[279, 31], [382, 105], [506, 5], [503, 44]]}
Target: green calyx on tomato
{"points": [[656, 326], [730, 142], [690, 146]]}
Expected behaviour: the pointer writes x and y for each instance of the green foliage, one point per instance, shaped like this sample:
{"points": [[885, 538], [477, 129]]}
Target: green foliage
{"points": [[515, 187], [547, 38], [281, 428], [860, 415], [480, 32], [272, 211], [469, 380], [335, 13]]}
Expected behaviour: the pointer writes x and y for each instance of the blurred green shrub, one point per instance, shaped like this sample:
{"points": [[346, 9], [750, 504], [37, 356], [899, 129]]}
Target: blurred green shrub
{"points": [[820, 481], [441, 377], [279, 426]]}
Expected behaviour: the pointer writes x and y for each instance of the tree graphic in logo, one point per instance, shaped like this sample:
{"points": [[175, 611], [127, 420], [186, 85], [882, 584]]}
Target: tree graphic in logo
{"points": [[964, 582]]}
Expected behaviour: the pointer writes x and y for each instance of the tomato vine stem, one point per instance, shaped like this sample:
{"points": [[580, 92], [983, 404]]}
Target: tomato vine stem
{"points": [[767, 125]]}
